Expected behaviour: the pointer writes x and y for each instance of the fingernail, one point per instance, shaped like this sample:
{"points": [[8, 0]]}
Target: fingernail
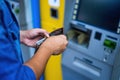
{"points": [[47, 35]]}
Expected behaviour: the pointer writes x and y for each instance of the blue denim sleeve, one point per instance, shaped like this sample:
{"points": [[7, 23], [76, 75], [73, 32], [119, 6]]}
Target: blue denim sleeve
{"points": [[11, 65]]}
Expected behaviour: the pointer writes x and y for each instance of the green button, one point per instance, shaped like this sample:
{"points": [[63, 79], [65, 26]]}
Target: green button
{"points": [[109, 44]]}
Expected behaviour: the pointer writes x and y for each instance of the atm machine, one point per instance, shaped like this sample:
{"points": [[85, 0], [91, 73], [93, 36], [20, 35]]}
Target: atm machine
{"points": [[93, 31]]}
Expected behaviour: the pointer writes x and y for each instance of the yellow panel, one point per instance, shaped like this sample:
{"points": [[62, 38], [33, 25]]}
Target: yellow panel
{"points": [[53, 69]]}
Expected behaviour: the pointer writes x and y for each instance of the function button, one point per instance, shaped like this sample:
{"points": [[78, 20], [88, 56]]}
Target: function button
{"points": [[74, 17], [76, 6], [75, 12], [77, 1]]}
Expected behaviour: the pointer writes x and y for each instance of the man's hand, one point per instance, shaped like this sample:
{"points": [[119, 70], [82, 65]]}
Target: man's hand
{"points": [[55, 44], [30, 37]]}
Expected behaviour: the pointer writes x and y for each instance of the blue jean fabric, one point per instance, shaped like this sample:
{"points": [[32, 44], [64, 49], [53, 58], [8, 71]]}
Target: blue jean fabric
{"points": [[11, 62]]}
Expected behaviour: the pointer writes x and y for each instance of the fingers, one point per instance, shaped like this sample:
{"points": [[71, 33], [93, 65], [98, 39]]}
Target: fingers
{"points": [[46, 34], [41, 32], [63, 45], [64, 38]]}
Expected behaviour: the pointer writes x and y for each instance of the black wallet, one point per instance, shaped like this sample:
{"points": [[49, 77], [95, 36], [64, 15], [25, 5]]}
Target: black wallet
{"points": [[53, 33]]}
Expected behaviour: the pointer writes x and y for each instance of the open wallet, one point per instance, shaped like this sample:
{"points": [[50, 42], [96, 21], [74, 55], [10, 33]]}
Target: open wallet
{"points": [[53, 33]]}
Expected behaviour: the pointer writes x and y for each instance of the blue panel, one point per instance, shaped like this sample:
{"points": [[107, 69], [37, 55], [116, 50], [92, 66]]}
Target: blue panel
{"points": [[35, 13]]}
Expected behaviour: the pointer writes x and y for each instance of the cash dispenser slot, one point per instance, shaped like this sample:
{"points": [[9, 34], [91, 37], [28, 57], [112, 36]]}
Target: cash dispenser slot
{"points": [[79, 35]]}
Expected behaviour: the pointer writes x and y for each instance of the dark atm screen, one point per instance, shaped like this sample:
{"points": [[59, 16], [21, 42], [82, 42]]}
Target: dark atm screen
{"points": [[104, 14]]}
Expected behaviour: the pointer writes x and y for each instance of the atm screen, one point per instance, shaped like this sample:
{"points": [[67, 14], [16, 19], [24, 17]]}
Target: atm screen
{"points": [[104, 14]]}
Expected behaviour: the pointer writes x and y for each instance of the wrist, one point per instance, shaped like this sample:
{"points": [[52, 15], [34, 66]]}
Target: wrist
{"points": [[43, 49]]}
